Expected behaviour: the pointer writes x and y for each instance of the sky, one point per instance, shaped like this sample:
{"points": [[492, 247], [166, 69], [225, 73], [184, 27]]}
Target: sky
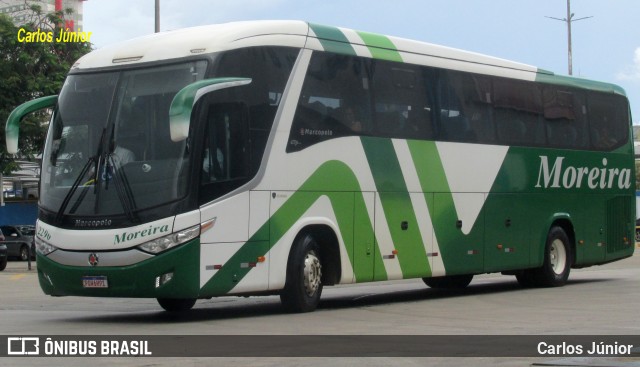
{"points": [[606, 47]]}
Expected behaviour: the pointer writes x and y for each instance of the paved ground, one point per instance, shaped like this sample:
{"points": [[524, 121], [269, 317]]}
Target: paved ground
{"points": [[600, 300]]}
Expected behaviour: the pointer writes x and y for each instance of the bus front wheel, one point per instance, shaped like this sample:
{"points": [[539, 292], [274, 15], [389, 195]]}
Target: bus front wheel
{"points": [[177, 304], [303, 285]]}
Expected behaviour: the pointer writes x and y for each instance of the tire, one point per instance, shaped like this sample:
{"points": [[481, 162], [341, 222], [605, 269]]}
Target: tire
{"points": [[449, 281], [177, 304], [24, 253], [3, 263], [303, 286], [558, 258], [526, 278]]}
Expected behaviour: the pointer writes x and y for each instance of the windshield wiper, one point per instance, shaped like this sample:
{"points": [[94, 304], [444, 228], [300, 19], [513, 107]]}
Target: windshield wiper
{"points": [[123, 188], [72, 190], [96, 161]]}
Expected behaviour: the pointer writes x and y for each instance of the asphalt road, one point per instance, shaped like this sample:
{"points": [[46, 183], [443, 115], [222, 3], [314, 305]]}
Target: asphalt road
{"points": [[601, 300]]}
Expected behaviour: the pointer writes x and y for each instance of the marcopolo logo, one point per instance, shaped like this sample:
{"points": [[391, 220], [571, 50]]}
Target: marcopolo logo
{"points": [[565, 176], [130, 236]]}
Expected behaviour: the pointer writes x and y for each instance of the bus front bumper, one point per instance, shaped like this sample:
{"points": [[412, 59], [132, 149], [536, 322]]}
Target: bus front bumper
{"points": [[172, 274]]}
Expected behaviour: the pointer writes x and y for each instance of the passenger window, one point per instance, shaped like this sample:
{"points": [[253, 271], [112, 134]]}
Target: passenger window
{"points": [[226, 154], [608, 120], [518, 112], [565, 116], [465, 108], [403, 106], [237, 121], [344, 95], [269, 69], [334, 102]]}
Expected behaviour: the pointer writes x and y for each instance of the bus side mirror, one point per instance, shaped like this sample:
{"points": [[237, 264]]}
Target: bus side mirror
{"points": [[186, 98], [12, 128]]}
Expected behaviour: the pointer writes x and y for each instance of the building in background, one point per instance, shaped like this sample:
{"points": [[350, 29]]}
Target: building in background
{"points": [[19, 11]]}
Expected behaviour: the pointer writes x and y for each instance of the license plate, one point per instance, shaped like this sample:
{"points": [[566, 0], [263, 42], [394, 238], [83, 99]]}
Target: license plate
{"points": [[95, 282]]}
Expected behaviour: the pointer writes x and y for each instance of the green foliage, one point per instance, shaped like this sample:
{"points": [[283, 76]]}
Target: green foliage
{"points": [[30, 70]]}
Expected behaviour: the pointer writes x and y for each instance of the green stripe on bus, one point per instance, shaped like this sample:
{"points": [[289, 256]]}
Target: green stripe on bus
{"points": [[428, 166], [344, 192], [332, 39], [397, 206], [452, 243], [380, 46], [433, 180]]}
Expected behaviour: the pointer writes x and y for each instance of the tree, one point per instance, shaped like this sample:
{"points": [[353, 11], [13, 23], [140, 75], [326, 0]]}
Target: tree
{"points": [[30, 70]]}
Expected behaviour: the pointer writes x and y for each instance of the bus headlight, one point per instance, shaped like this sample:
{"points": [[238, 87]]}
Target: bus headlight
{"points": [[44, 248], [164, 243]]}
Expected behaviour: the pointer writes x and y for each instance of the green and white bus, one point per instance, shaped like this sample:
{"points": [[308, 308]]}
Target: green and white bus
{"points": [[278, 157]]}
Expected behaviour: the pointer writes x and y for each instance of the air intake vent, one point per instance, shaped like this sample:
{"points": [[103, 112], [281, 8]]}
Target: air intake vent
{"points": [[619, 234], [126, 59]]}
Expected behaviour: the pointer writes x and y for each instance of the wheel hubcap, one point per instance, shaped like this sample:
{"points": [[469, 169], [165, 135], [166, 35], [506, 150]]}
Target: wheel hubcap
{"points": [[558, 256], [312, 273]]}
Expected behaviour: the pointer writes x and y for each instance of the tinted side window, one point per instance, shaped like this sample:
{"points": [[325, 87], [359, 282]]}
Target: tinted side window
{"points": [[403, 103], [345, 95], [565, 114], [237, 121], [269, 69], [608, 120], [465, 108], [518, 112], [334, 102]]}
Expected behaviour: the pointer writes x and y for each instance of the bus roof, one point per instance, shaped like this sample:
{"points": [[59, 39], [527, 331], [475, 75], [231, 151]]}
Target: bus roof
{"points": [[220, 37], [197, 40]]}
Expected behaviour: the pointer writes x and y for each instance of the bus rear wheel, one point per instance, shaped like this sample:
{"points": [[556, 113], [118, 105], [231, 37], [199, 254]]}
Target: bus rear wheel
{"points": [[303, 286], [555, 269], [526, 278], [449, 281], [176, 304]]}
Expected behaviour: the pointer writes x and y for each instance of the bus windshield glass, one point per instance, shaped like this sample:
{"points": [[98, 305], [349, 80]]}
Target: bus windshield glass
{"points": [[109, 150]]}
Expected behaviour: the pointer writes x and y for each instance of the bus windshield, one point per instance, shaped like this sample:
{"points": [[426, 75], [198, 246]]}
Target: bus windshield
{"points": [[109, 150]]}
